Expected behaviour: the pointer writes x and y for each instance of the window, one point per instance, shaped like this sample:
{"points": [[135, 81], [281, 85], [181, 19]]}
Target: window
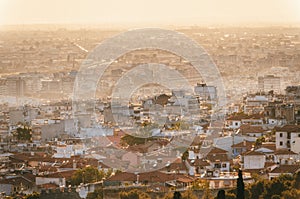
{"points": [[281, 143], [236, 124], [299, 135], [224, 165], [217, 166], [280, 135]]}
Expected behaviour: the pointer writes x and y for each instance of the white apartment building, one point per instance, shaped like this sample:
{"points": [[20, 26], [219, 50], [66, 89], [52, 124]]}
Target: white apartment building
{"points": [[287, 137]]}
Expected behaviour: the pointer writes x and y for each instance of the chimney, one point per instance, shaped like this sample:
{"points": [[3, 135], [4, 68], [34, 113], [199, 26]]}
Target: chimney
{"points": [[244, 143]]}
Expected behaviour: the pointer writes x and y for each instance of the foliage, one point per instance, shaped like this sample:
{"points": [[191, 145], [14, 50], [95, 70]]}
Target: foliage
{"points": [[134, 140], [33, 196], [221, 194], [188, 195], [240, 192], [259, 141], [87, 175], [108, 173], [177, 195], [134, 194], [275, 197], [97, 194], [257, 189], [277, 186], [297, 180], [23, 133], [207, 192], [291, 194], [199, 184], [230, 196], [283, 187]]}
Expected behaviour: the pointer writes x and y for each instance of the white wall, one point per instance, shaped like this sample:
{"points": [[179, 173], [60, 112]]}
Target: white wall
{"points": [[254, 161]]}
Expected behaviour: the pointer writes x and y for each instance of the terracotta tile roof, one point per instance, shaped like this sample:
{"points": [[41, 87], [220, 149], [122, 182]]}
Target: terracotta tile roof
{"points": [[216, 150], [286, 169], [154, 176], [197, 141], [16, 181], [247, 128], [252, 171], [123, 176], [217, 155], [269, 164], [49, 186], [288, 128], [239, 117], [29, 176], [255, 153], [64, 174], [144, 148], [201, 162], [185, 179], [48, 168], [268, 145], [284, 152], [178, 164], [245, 144]]}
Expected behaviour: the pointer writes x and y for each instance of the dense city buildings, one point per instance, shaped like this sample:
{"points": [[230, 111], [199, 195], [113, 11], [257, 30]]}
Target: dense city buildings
{"points": [[162, 139]]}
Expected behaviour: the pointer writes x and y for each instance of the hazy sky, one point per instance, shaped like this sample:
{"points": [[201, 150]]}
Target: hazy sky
{"points": [[149, 11]]}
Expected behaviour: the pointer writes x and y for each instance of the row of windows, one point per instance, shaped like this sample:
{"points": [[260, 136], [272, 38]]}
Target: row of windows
{"points": [[281, 143], [224, 165], [281, 135]]}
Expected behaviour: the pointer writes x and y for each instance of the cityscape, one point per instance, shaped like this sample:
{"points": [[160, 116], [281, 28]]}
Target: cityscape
{"points": [[176, 111]]}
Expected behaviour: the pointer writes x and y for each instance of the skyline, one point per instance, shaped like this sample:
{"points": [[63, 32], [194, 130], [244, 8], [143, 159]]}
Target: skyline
{"points": [[190, 12]]}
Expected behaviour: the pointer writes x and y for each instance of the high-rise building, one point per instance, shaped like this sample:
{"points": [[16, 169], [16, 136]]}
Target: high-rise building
{"points": [[206, 92], [15, 86], [269, 83]]}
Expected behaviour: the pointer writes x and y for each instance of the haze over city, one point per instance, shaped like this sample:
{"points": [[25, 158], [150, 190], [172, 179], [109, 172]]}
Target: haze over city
{"points": [[154, 12], [150, 99]]}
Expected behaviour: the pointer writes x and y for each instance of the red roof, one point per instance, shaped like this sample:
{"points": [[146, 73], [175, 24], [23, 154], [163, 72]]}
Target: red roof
{"points": [[255, 153], [284, 152], [244, 144], [247, 128], [286, 169], [288, 128], [154, 176], [239, 116], [63, 174]]}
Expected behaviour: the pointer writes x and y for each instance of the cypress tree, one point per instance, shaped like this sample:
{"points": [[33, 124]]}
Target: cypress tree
{"points": [[221, 194], [240, 186]]}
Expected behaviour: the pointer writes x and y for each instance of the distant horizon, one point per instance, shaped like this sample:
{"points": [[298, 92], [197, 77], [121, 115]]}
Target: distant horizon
{"points": [[154, 13], [43, 26]]}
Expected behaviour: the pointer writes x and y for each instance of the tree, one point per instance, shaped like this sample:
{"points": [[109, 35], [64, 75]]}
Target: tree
{"points": [[177, 195], [23, 133], [33, 196], [259, 141], [185, 155], [277, 186], [221, 194], [297, 180], [276, 197], [87, 175], [230, 196], [97, 194], [291, 194], [240, 186], [207, 192], [134, 194], [188, 195], [257, 189]]}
